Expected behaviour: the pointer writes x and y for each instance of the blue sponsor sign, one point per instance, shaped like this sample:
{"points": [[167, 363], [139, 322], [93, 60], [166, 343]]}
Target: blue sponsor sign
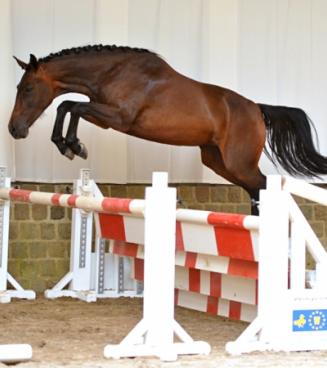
{"points": [[310, 320]]}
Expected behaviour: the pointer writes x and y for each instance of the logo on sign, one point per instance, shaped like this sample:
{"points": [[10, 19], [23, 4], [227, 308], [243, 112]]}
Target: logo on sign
{"points": [[310, 320]]}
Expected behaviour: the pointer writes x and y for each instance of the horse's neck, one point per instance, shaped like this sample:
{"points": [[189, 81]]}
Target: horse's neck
{"points": [[73, 76]]}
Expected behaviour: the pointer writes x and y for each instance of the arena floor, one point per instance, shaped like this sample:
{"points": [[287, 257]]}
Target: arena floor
{"points": [[69, 333]]}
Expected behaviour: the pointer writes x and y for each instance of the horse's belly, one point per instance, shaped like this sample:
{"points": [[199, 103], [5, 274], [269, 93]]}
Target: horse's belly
{"points": [[184, 133]]}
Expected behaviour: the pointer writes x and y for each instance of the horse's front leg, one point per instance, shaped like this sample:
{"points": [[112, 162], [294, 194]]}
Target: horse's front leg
{"points": [[57, 137], [71, 139], [105, 116]]}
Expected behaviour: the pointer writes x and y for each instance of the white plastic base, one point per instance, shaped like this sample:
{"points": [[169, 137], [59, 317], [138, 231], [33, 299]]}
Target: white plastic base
{"points": [[135, 344], [249, 341], [117, 294], [167, 353], [7, 295], [15, 353], [237, 348], [87, 296]]}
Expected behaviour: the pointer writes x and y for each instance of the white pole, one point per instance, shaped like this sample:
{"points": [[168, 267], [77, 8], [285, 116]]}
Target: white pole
{"points": [[159, 254], [273, 258], [4, 233]]}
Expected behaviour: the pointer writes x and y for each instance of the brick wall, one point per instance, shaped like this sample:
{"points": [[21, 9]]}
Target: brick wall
{"points": [[40, 236]]}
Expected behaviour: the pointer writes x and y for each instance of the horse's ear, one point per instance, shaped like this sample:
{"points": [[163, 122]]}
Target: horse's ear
{"points": [[21, 63], [33, 62]]}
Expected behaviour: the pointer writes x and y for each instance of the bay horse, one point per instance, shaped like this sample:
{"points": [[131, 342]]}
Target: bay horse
{"points": [[136, 92]]}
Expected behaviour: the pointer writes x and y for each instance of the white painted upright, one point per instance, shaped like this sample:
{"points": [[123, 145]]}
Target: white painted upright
{"points": [[273, 271], [110, 272], [81, 238], [96, 274], [4, 236], [12, 353], [78, 278], [17, 290], [273, 260], [154, 334]]}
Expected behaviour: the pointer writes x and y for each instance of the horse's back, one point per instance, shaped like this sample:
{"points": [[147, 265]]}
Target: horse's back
{"points": [[182, 110]]}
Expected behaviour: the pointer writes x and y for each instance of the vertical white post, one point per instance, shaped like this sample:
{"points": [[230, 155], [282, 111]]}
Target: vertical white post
{"points": [[321, 276], [273, 259], [4, 232], [18, 352], [297, 271], [79, 276], [81, 239], [159, 254]]}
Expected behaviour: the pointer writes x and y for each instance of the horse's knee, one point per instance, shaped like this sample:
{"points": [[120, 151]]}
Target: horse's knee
{"points": [[65, 106]]}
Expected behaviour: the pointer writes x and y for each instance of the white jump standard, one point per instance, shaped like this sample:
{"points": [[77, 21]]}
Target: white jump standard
{"points": [[5, 277], [298, 321], [90, 274], [154, 334], [10, 353]]}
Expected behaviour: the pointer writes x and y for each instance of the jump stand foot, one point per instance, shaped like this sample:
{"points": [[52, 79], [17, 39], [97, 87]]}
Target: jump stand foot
{"points": [[15, 353], [167, 353], [136, 344], [87, 296]]}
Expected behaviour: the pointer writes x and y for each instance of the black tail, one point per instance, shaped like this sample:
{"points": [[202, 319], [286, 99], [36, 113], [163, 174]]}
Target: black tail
{"points": [[290, 139]]}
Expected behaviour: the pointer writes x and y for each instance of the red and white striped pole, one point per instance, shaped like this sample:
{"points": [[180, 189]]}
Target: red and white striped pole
{"points": [[88, 204]]}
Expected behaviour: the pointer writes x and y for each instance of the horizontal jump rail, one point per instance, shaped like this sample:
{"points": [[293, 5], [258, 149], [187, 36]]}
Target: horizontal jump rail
{"points": [[86, 203], [228, 220], [127, 206], [305, 190]]}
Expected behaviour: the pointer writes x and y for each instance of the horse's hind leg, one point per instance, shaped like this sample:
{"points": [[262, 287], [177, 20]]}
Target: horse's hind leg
{"points": [[253, 186], [211, 157], [242, 163], [252, 180]]}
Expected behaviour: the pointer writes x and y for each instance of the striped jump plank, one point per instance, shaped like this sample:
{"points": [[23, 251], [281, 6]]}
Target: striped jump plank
{"points": [[205, 303], [237, 289], [205, 262], [203, 232], [215, 306]]}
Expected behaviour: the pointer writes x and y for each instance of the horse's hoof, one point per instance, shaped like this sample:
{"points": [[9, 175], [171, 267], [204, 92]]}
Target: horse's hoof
{"points": [[83, 151], [69, 153]]}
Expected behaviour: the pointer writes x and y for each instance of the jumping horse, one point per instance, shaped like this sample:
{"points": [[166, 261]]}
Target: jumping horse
{"points": [[136, 92]]}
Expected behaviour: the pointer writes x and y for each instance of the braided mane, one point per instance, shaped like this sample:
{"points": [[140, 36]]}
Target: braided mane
{"points": [[90, 48]]}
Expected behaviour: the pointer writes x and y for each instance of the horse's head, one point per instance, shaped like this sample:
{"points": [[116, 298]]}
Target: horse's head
{"points": [[35, 92]]}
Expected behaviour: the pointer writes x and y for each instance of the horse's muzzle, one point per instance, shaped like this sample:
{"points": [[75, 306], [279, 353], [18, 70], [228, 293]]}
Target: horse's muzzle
{"points": [[18, 133]]}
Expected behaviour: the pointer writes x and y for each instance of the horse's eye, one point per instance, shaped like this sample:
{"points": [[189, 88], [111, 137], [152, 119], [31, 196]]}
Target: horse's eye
{"points": [[28, 89]]}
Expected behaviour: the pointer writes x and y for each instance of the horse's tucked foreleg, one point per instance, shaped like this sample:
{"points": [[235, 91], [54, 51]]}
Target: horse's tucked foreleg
{"points": [[71, 137], [105, 116], [57, 137]]}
